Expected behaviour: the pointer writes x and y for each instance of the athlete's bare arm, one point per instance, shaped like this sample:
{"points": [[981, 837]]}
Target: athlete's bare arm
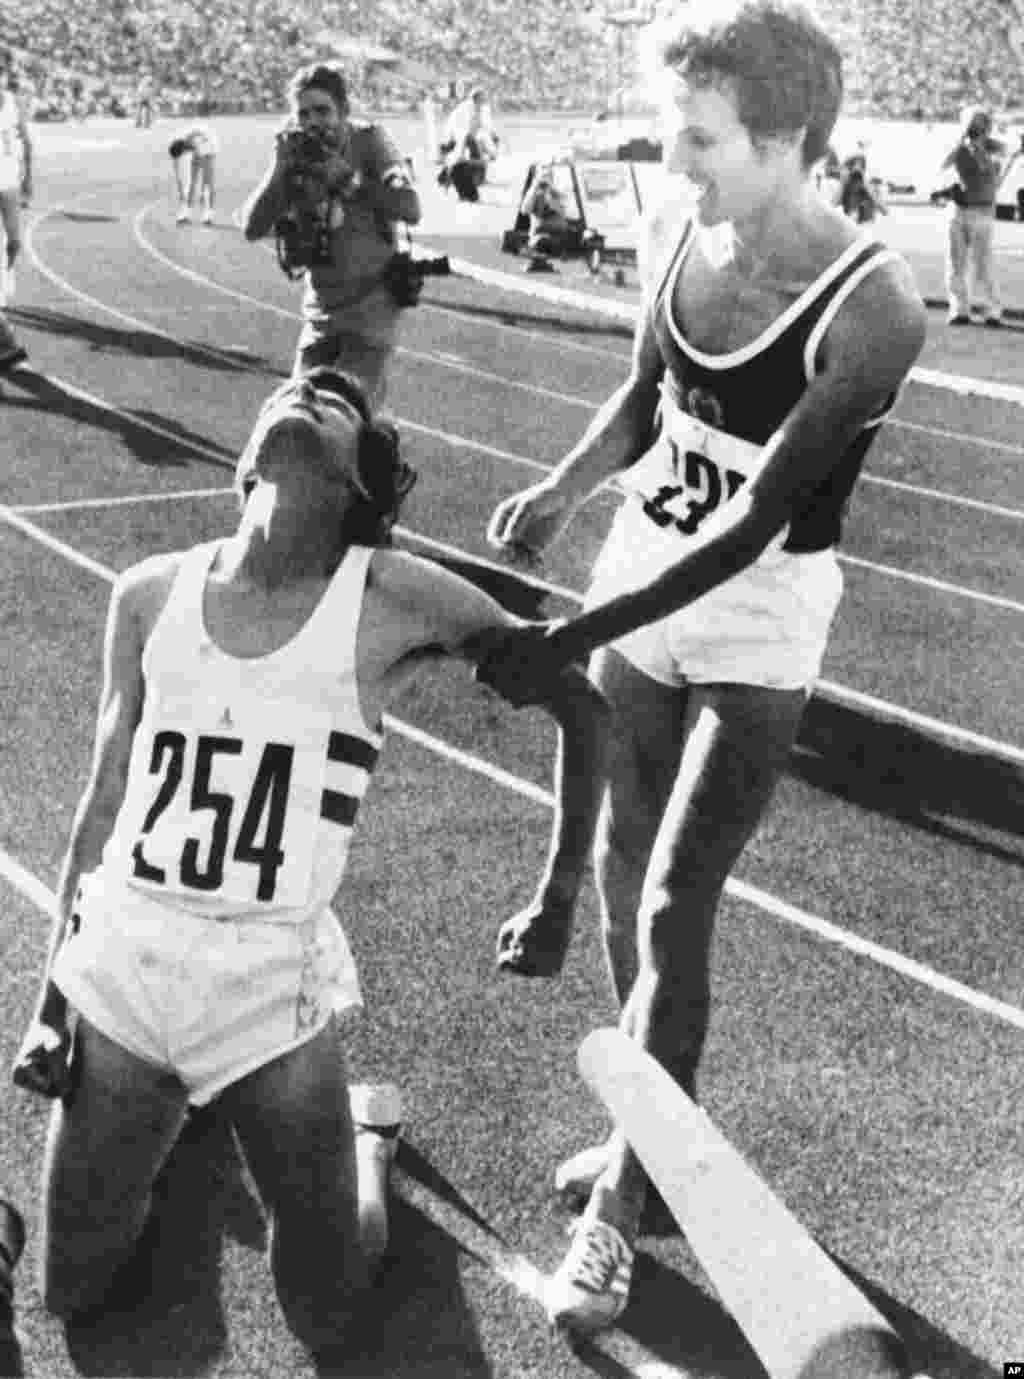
{"points": [[620, 432], [135, 603], [418, 609]]}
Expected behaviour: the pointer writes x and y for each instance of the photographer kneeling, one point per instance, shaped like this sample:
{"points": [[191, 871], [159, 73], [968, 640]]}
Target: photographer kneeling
{"points": [[333, 196]]}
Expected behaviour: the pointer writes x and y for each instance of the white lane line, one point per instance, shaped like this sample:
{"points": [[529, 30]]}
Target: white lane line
{"points": [[513, 1268], [123, 501], [948, 731], [451, 438], [942, 585], [828, 689], [61, 548], [455, 362], [942, 496], [886, 957], [146, 327], [961, 384], [965, 386], [962, 437], [445, 361], [779, 909], [28, 885], [611, 309], [954, 499]]}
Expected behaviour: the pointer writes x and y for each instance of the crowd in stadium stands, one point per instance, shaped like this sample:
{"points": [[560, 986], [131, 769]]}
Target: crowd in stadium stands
{"points": [[903, 58]]}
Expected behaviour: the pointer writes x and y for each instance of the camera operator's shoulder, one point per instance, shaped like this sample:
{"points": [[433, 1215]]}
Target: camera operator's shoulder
{"points": [[364, 134], [371, 143]]}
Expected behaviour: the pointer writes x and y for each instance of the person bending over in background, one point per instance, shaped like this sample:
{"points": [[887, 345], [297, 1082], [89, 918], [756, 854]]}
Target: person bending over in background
{"points": [[194, 155]]}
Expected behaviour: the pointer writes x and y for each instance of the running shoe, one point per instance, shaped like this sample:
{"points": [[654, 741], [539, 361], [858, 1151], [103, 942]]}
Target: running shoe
{"points": [[590, 1288]]}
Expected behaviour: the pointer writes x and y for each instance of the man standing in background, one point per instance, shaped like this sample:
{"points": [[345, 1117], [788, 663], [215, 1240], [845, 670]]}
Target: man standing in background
{"points": [[15, 191], [972, 199]]}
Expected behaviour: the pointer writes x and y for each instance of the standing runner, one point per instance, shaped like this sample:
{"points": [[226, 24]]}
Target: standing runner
{"points": [[774, 340], [15, 191]]}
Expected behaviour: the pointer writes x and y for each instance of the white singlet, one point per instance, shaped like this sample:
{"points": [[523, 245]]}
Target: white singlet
{"points": [[205, 942]]}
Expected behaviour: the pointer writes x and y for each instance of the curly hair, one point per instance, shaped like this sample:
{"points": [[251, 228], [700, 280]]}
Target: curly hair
{"points": [[786, 71], [325, 76]]}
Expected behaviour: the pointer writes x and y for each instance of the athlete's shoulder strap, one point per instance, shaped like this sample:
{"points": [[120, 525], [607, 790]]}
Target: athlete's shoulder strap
{"points": [[665, 247], [335, 621], [184, 600], [873, 255]]}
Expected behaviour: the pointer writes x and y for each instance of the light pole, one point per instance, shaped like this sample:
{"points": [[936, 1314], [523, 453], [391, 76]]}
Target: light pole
{"points": [[620, 21]]}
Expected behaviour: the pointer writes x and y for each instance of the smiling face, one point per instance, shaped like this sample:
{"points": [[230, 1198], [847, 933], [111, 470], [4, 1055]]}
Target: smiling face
{"points": [[733, 175]]}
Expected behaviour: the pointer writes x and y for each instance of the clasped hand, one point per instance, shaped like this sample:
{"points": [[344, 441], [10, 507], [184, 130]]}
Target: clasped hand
{"points": [[521, 663], [43, 1064]]}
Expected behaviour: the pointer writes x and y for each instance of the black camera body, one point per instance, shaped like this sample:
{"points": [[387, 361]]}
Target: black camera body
{"points": [[303, 230], [308, 148], [406, 275]]}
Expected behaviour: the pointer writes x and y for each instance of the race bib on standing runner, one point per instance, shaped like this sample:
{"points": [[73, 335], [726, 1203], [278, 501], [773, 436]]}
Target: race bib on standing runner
{"points": [[692, 470]]}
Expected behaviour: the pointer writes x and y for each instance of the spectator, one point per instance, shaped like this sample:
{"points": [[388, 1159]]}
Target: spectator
{"points": [[194, 155], [342, 199], [144, 101], [15, 192], [469, 144], [859, 198], [971, 219]]}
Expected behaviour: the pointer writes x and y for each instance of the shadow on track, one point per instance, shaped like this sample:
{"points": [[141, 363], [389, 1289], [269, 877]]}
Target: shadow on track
{"points": [[559, 321], [930, 1349], [164, 1316], [86, 217], [137, 344], [50, 398], [963, 795], [421, 1326]]}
